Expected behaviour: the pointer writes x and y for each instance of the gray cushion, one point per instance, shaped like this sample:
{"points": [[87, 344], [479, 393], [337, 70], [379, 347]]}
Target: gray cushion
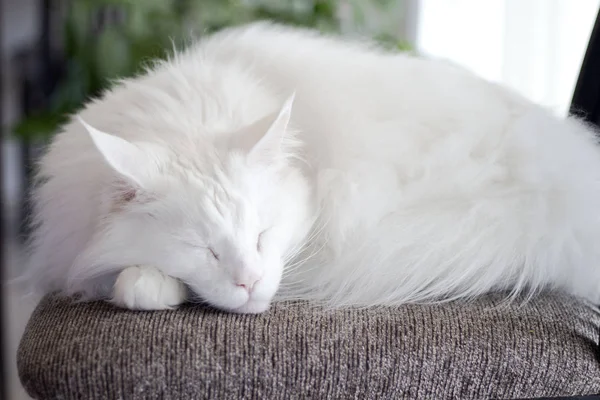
{"points": [[477, 350]]}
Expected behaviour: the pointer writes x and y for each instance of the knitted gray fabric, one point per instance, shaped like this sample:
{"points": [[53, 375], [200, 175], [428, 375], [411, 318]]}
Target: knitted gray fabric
{"points": [[476, 350]]}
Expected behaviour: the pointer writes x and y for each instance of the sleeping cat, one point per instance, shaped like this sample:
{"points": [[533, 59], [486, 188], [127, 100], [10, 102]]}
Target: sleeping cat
{"points": [[271, 163]]}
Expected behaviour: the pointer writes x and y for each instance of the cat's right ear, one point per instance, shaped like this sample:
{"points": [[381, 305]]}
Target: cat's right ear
{"points": [[263, 139], [124, 157]]}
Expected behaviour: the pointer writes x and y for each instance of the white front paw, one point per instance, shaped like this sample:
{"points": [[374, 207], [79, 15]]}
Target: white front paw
{"points": [[147, 288]]}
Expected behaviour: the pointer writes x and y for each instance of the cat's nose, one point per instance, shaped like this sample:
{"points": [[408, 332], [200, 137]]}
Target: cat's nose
{"points": [[247, 280], [247, 285]]}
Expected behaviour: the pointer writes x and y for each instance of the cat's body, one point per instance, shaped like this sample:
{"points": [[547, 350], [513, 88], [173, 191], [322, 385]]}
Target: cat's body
{"points": [[398, 179]]}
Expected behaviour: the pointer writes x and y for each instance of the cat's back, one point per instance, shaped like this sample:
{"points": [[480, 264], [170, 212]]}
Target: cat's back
{"points": [[368, 100], [331, 66]]}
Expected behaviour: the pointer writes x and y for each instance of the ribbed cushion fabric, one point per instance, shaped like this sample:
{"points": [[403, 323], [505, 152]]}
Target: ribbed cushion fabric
{"points": [[476, 350]]}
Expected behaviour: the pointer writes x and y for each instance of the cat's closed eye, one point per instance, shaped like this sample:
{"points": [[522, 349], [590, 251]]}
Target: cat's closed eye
{"points": [[214, 254], [258, 242]]}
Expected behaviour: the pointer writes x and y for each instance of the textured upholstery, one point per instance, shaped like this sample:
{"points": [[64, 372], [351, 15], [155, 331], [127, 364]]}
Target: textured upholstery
{"points": [[477, 350]]}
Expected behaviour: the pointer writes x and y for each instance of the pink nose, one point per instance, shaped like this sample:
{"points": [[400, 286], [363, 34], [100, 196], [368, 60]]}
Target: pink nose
{"points": [[247, 283], [246, 277]]}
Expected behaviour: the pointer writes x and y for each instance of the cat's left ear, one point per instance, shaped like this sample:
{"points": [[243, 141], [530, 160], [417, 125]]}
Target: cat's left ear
{"points": [[269, 134], [124, 157]]}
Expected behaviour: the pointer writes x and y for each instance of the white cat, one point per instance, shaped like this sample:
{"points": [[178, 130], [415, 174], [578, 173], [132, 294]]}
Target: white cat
{"points": [[387, 179]]}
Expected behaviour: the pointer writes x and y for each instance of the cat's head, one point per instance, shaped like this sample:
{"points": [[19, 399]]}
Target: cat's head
{"points": [[221, 218]]}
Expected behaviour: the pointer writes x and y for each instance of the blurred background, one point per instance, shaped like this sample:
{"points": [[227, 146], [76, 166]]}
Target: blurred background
{"points": [[58, 53]]}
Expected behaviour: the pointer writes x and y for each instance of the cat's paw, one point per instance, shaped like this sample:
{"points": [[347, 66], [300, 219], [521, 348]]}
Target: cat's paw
{"points": [[147, 288]]}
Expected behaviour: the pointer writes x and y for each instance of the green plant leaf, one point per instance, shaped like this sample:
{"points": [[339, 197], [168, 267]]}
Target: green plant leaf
{"points": [[39, 126]]}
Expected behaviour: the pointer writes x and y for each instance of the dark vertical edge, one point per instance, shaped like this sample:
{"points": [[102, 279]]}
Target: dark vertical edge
{"points": [[586, 97], [3, 274]]}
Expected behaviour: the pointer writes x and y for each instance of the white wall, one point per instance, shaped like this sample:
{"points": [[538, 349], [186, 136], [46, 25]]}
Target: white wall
{"points": [[533, 46]]}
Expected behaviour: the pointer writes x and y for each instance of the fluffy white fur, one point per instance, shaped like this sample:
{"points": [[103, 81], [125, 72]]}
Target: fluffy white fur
{"points": [[387, 179]]}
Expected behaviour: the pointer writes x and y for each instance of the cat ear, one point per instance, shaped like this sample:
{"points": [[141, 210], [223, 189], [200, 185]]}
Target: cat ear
{"points": [[270, 131], [124, 157]]}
